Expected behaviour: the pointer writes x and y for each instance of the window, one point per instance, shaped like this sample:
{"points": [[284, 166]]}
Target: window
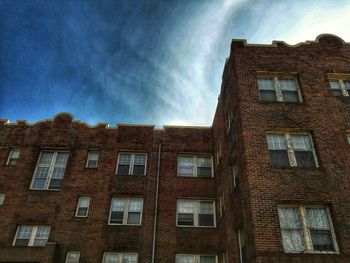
{"points": [[73, 257], [235, 178], [195, 166], [222, 204], [115, 257], [125, 211], [282, 89], [195, 213], [2, 199], [306, 229], [92, 159], [13, 157], [36, 236], [348, 138], [340, 87], [242, 242], [291, 150], [83, 206], [132, 164], [49, 171], [218, 153], [196, 259]]}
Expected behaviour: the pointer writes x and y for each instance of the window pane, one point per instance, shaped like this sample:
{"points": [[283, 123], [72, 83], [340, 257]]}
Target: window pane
{"points": [[335, 85], [129, 258], [305, 159], [288, 84], [123, 169], [207, 259], [24, 232], [279, 158], [134, 218], [303, 150], [185, 165], [109, 257], [268, 95], [39, 183], [276, 141], [2, 199], [290, 96], [58, 173], [55, 184], [42, 235], [317, 218], [301, 142], [293, 240], [46, 158], [82, 211], [206, 214], [117, 213], [322, 240], [135, 205], [61, 159], [204, 167], [42, 172], [139, 170], [84, 201], [185, 206], [73, 257], [124, 159], [15, 153], [117, 217], [93, 156], [289, 218], [185, 259], [185, 219], [140, 159], [266, 84]]}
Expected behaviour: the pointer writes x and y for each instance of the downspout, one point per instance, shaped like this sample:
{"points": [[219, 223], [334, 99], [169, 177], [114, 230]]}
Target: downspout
{"points": [[156, 203]]}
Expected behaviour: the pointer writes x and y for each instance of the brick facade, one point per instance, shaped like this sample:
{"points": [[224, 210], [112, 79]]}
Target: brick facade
{"points": [[250, 207]]}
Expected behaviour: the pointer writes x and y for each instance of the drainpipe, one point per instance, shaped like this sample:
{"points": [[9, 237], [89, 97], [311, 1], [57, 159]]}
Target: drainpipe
{"points": [[156, 204]]}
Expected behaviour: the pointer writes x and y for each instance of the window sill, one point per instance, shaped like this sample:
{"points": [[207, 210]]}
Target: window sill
{"points": [[195, 177], [200, 227], [313, 253], [45, 190], [281, 102], [131, 175], [296, 168], [124, 224]]}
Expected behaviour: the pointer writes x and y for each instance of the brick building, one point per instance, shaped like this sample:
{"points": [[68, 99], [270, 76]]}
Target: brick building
{"points": [[268, 182]]}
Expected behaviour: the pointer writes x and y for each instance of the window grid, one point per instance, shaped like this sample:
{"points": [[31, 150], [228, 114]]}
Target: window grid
{"points": [[340, 87], [195, 208], [83, 206], [50, 167], [92, 159], [13, 157], [197, 162], [36, 235], [282, 89], [72, 257], [127, 206], [132, 160], [116, 257], [307, 242], [191, 258], [288, 141]]}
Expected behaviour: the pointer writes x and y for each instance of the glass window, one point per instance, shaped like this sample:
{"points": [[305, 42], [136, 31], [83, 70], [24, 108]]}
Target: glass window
{"points": [[126, 211], [340, 87], [132, 164], [195, 259], [2, 199], [302, 224], [49, 171], [83, 206], [278, 89], [32, 236], [116, 257], [13, 157], [92, 159], [195, 213], [195, 166], [73, 257], [291, 150]]}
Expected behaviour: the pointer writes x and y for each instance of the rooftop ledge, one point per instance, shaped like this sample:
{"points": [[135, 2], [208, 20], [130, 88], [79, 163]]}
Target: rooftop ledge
{"points": [[66, 118]]}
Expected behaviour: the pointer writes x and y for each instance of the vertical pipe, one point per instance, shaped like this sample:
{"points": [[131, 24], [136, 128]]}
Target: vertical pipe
{"points": [[156, 203]]}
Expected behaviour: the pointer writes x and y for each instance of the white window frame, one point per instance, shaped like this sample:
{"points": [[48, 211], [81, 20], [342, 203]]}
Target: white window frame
{"points": [[126, 211], [290, 150], [240, 245], [196, 212], [51, 168], [69, 254], [78, 206], [88, 159], [306, 233], [277, 85], [2, 199], [235, 173], [132, 159], [33, 234], [344, 91], [120, 255], [197, 257], [9, 158], [222, 204], [195, 165]]}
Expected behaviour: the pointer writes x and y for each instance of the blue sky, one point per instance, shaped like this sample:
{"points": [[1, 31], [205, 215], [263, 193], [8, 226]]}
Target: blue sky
{"points": [[157, 62]]}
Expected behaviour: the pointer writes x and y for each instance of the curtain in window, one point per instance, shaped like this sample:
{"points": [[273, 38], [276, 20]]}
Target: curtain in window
{"points": [[129, 258], [335, 88], [289, 90], [186, 165], [42, 235], [303, 150], [277, 150], [111, 258], [291, 229], [267, 89], [276, 141], [204, 166]]}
